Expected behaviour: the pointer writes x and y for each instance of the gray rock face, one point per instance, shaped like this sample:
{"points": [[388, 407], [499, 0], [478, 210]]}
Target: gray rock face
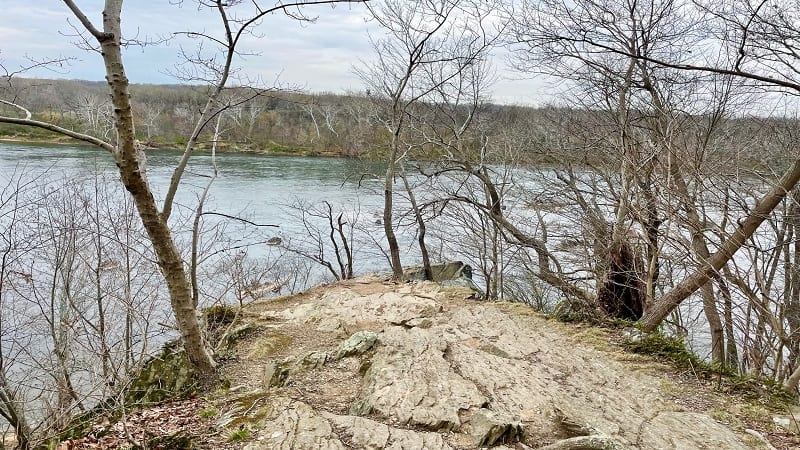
{"points": [[410, 382], [372, 435], [295, 426], [452, 373], [679, 430], [345, 308]]}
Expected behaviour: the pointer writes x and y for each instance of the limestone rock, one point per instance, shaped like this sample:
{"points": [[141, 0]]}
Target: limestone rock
{"points": [[369, 434], [462, 374], [593, 442], [296, 425], [276, 373], [357, 344], [343, 306], [422, 322], [490, 428]]}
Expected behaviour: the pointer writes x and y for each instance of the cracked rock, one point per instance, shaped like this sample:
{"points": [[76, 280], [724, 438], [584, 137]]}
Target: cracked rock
{"points": [[411, 383]]}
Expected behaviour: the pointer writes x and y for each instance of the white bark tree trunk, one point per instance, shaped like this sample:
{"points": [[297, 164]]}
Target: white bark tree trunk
{"points": [[132, 173]]}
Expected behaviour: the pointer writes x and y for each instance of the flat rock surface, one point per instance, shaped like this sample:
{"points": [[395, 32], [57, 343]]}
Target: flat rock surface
{"points": [[443, 365]]}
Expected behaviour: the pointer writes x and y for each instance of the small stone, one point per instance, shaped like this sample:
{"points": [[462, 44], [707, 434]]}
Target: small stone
{"points": [[632, 335], [313, 360], [787, 423], [276, 373], [420, 322], [357, 344], [490, 428]]}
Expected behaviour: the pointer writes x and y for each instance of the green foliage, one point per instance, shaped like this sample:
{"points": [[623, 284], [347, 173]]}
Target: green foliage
{"points": [[669, 348], [207, 413], [760, 390], [239, 435]]}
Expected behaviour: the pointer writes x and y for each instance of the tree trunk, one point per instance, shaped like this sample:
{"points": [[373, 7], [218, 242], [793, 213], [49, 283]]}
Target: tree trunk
{"points": [[132, 172], [700, 249], [731, 352], [388, 227], [791, 383], [661, 309], [423, 249], [622, 293]]}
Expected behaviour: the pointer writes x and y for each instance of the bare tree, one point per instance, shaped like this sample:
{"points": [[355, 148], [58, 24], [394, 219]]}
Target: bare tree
{"points": [[753, 40], [427, 44]]}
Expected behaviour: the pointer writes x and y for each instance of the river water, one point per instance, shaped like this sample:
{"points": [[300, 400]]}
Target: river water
{"points": [[258, 188], [256, 185]]}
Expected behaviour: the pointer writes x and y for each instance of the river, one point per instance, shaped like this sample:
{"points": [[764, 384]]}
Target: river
{"points": [[258, 188], [257, 185]]}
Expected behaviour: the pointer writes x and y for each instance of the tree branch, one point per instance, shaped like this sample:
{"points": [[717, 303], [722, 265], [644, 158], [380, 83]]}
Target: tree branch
{"points": [[56, 129]]}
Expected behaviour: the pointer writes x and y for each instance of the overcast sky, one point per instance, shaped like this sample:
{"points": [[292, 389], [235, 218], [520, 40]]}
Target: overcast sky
{"points": [[314, 56]]}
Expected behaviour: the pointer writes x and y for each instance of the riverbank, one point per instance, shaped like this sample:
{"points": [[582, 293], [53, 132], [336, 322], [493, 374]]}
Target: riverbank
{"points": [[274, 149]]}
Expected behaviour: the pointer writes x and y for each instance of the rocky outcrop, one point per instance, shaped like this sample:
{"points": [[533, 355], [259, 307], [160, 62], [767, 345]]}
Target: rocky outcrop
{"points": [[377, 365]]}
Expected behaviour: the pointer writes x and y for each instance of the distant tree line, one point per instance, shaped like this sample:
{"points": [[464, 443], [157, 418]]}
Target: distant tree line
{"points": [[324, 124]]}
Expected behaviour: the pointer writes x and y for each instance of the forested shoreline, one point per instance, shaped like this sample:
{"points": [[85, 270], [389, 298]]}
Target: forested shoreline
{"points": [[283, 122]]}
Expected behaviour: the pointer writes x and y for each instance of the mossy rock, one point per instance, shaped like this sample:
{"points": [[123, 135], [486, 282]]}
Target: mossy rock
{"points": [[168, 375], [217, 319]]}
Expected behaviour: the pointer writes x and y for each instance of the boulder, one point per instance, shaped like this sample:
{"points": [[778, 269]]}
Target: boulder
{"points": [[440, 272], [357, 344]]}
